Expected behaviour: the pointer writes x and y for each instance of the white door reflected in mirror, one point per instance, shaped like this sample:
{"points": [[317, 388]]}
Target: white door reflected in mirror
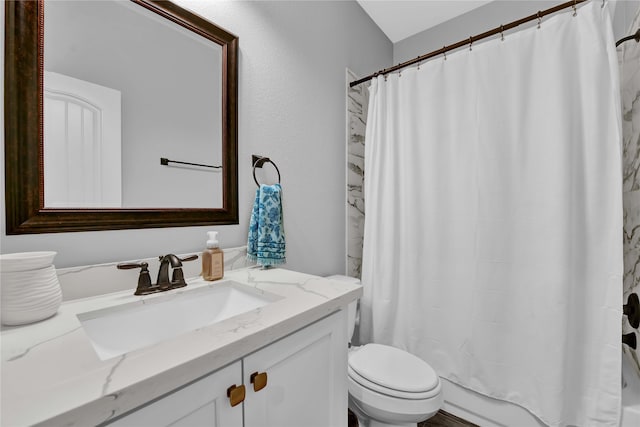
{"points": [[82, 150]]}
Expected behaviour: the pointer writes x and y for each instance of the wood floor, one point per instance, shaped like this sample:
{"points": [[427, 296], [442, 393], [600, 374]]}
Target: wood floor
{"points": [[445, 419], [441, 419]]}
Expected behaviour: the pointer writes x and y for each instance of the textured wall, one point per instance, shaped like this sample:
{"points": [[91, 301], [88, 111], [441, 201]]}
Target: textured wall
{"points": [[493, 15], [291, 108]]}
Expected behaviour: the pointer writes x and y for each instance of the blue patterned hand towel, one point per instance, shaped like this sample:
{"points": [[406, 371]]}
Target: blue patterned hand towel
{"points": [[266, 245]]}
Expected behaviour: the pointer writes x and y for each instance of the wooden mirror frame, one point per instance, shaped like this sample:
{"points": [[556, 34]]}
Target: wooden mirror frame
{"points": [[23, 109]]}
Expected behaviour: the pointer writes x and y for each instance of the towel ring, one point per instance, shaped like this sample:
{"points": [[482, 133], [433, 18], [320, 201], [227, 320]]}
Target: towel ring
{"points": [[258, 162]]}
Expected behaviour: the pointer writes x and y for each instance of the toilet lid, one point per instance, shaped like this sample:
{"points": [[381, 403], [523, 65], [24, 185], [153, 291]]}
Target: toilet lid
{"points": [[393, 368]]}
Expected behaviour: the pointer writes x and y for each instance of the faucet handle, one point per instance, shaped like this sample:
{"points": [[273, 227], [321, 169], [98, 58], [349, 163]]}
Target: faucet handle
{"points": [[189, 258], [144, 279], [130, 265]]}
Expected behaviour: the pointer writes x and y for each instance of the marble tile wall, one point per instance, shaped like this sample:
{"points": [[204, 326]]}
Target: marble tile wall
{"points": [[629, 59], [357, 104]]}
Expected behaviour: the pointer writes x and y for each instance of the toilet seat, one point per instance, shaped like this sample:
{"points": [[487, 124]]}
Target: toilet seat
{"points": [[400, 394], [392, 371], [388, 410]]}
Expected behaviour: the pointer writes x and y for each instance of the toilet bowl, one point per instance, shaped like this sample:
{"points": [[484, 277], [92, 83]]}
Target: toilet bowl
{"points": [[389, 387]]}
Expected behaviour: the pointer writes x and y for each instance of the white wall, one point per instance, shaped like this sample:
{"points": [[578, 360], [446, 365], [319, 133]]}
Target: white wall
{"points": [[623, 17], [493, 15], [291, 108]]}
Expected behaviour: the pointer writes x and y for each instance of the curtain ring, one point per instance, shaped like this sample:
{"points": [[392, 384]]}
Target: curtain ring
{"points": [[540, 19], [444, 52], [575, 11], [502, 32], [470, 43], [419, 62]]}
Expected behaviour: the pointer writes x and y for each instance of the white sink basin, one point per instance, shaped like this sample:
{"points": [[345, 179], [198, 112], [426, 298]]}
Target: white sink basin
{"points": [[118, 330]]}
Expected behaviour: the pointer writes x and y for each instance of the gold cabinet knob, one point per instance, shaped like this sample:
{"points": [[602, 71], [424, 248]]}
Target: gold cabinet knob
{"points": [[236, 394], [259, 380]]}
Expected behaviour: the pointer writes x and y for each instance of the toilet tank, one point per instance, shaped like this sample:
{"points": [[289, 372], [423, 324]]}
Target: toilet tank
{"points": [[352, 308]]}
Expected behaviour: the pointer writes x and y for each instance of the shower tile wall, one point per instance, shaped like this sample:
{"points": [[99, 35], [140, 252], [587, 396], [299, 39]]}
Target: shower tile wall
{"points": [[629, 56], [357, 104]]}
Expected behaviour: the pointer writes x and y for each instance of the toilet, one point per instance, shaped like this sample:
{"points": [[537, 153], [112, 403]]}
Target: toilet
{"points": [[388, 387]]}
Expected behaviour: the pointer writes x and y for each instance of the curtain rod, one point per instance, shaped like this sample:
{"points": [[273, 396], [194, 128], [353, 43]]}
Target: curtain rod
{"points": [[470, 40]]}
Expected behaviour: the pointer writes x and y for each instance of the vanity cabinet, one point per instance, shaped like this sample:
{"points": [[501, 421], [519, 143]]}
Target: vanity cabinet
{"points": [[306, 385], [202, 403], [306, 378]]}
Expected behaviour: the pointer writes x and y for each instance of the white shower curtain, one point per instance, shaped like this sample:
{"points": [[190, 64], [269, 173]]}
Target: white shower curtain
{"points": [[492, 244]]}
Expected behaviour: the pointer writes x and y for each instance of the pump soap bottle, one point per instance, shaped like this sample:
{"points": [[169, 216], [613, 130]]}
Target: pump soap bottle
{"points": [[212, 258]]}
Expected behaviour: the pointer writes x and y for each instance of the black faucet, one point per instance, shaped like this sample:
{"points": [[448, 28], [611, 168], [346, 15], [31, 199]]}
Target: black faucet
{"points": [[164, 284], [177, 277]]}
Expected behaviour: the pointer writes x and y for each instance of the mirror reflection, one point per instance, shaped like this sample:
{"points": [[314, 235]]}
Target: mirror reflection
{"points": [[123, 88]]}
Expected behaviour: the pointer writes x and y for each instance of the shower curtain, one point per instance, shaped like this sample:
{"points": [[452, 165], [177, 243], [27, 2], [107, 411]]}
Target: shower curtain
{"points": [[492, 242]]}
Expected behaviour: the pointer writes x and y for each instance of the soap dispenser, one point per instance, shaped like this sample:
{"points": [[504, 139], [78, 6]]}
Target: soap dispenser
{"points": [[212, 258]]}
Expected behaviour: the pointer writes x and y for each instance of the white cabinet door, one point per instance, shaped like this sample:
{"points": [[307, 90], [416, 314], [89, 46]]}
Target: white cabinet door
{"points": [[203, 403], [306, 378]]}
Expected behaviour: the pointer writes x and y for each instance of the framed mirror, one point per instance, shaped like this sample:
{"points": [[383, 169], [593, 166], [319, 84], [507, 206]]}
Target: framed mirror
{"points": [[118, 114]]}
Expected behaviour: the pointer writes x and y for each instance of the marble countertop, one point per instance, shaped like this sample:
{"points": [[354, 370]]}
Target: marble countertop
{"points": [[51, 374]]}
